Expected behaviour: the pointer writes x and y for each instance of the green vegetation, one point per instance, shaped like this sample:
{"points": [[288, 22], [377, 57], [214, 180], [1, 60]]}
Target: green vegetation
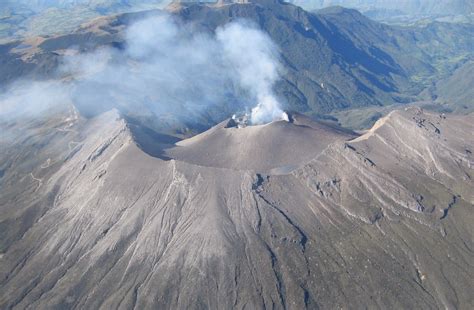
{"points": [[22, 18], [54, 21]]}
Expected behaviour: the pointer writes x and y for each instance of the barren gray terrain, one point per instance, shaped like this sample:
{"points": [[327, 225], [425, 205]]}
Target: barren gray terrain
{"points": [[104, 216]]}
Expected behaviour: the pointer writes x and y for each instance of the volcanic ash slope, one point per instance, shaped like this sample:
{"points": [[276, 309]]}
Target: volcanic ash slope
{"points": [[284, 215]]}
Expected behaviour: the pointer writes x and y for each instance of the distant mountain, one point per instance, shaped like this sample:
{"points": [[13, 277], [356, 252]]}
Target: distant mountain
{"points": [[456, 92], [45, 17], [334, 59], [338, 58], [403, 7]]}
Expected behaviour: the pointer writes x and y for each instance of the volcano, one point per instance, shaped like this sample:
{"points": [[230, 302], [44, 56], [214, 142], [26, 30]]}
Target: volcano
{"points": [[279, 145], [297, 214]]}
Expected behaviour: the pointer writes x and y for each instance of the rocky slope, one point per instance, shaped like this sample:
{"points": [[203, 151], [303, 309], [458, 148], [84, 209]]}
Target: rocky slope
{"points": [[380, 220]]}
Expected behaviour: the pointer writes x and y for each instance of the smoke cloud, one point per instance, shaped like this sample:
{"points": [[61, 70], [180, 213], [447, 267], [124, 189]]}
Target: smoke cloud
{"points": [[255, 59], [167, 69]]}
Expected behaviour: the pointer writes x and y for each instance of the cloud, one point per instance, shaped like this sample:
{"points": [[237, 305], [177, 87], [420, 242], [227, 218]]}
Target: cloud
{"points": [[255, 59], [28, 99], [165, 68]]}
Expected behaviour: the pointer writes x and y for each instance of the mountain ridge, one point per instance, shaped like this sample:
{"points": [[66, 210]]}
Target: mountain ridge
{"points": [[148, 227], [386, 65]]}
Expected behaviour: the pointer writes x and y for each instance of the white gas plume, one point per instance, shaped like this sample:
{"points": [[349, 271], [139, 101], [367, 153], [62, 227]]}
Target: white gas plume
{"points": [[255, 59], [167, 68]]}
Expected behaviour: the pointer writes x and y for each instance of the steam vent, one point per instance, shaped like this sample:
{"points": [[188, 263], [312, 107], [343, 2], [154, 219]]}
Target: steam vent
{"points": [[259, 148]]}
